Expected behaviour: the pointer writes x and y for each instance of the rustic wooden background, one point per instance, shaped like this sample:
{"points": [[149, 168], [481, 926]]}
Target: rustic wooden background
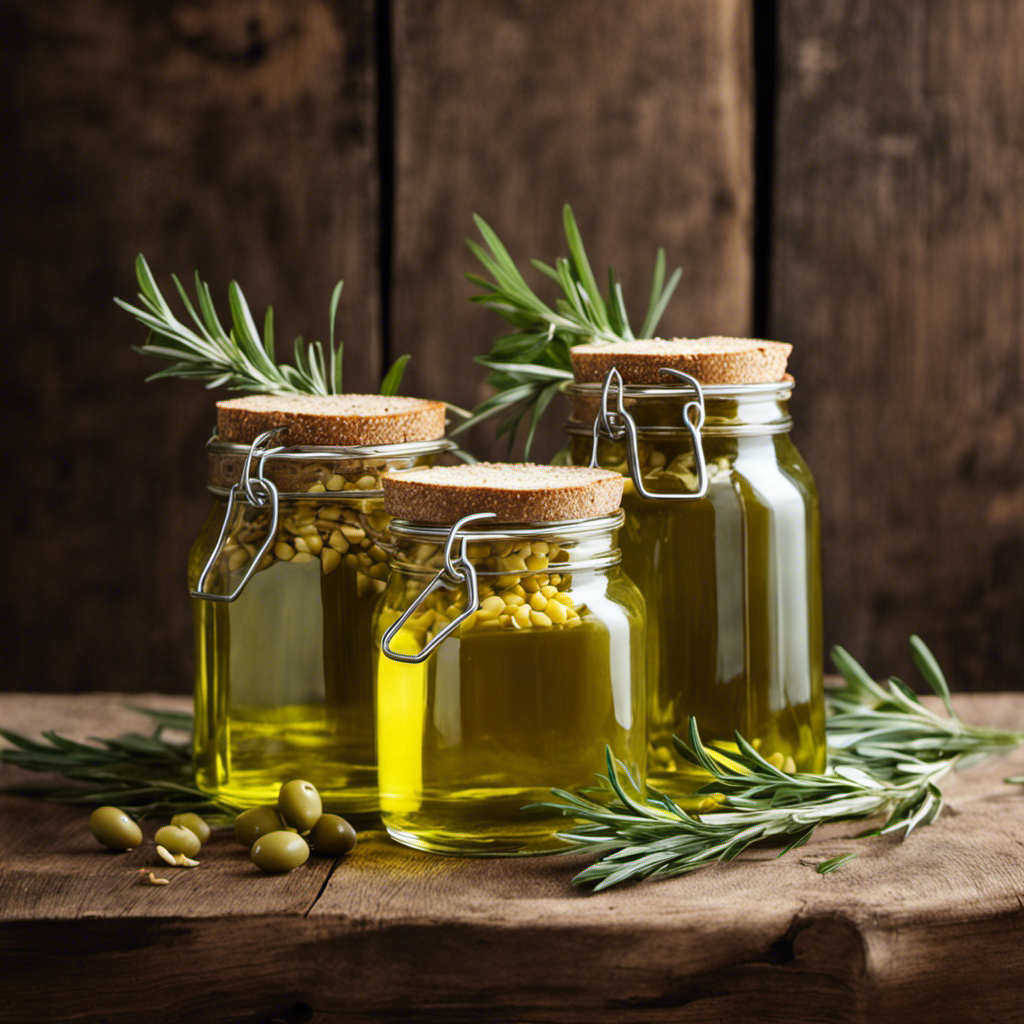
{"points": [[845, 175]]}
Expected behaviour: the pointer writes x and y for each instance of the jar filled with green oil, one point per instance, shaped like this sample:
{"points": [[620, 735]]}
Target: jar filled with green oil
{"points": [[511, 655], [732, 579], [285, 575]]}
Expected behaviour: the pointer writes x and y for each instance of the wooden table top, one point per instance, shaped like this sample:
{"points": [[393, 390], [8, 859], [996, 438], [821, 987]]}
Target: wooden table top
{"points": [[926, 929]]}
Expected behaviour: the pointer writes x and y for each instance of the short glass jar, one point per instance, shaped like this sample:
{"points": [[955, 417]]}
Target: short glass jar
{"points": [[284, 575], [725, 549], [502, 676]]}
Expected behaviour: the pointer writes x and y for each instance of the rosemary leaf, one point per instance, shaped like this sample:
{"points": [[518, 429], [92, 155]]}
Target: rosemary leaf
{"points": [[827, 866], [146, 775], [393, 378], [239, 357], [526, 362]]}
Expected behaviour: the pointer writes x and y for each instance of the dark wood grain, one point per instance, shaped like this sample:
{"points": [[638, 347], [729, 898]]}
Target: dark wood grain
{"points": [[242, 139], [237, 139], [510, 108], [924, 930], [897, 272]]}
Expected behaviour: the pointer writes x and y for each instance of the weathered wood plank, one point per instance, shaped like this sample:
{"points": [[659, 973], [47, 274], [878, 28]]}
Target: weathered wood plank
{"points": [[53, 867], [898, 271], [510, 109], [237, 139], [924, 930]]}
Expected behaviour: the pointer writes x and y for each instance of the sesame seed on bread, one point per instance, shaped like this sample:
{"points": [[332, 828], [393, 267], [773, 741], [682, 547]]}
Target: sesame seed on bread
{"points": [[334, 420], [515, 492], [709, 360]]}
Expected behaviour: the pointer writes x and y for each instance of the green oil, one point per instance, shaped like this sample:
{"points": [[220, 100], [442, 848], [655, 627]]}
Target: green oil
{"points": [[284, 682], [732, 587]]}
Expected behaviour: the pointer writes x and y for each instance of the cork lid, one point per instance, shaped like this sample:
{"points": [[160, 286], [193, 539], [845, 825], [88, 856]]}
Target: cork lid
{"points": [[335, 420], [515, 492], [709, 360]]}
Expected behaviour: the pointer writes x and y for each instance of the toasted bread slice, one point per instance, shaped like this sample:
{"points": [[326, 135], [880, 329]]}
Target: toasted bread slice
{"points": [[515, 492], [709, 360], [337, 420]]}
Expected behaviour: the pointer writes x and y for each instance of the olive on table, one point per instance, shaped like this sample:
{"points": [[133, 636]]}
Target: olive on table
{"points": [[193, 823], [300, 804], [114, 829], [256, 822], [278, 852], [176, 839], [332, 836]]}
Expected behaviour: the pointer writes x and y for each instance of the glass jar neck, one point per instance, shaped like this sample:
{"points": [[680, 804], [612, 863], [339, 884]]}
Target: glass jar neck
{"points": [[317, 472], [509, 549], [734, 410]]}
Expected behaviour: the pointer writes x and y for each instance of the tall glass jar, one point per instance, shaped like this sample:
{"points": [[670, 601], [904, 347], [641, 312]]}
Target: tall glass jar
{"points": [[284, 577], [731, 576], [506, 674]]}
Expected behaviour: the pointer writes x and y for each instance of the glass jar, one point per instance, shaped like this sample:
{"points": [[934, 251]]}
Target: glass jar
{"points": [[284, 577], [725, 549], [503, 679]]}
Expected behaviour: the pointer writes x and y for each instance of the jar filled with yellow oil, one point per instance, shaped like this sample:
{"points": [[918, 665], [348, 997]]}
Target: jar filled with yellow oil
{"points": [[721, 536], [284, 577], [511, 654]]}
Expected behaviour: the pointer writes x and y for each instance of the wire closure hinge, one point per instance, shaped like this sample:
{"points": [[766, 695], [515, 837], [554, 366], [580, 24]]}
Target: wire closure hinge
{"points": [[616, 424], [456, 571], [257, 491]]}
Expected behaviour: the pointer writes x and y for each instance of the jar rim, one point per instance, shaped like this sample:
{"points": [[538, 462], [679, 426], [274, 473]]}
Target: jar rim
{"points": [[489, 531], [779, 387], [335, 453], [584, 397]]}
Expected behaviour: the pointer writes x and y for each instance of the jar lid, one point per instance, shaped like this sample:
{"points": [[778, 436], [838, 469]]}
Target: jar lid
{"points": [[709, 360], [515, 492], [332, 420]]}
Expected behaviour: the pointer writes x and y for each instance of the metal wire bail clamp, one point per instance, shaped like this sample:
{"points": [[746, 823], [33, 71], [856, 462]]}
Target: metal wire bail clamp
{"points": [[259, 492], [617, 424], [454, 572]]}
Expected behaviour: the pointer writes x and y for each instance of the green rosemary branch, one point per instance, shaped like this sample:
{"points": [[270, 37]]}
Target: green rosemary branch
{"points": [[238, 356], [876, 726], [638, 839], [531, 365], [147, 775], [888, 754]]}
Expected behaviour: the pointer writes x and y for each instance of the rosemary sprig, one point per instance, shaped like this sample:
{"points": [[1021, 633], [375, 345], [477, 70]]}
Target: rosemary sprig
{"points": [[638, 839], [531, 365], [144, 774], [888, 753], [238, 357], [876, 726]]}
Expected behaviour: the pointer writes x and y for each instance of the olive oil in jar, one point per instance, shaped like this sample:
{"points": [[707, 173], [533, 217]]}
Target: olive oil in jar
{"points": [[731, 577], [285, 576], [301, 700], [736, 577], [523, 694]]}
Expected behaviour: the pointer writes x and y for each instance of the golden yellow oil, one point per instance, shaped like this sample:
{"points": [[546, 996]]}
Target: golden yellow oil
{"points": [[494, 719]]}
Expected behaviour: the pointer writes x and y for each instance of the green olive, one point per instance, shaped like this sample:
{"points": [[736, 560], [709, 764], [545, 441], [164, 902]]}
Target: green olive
{"points": [[300, 804], [256, 822], [194, 824], [176, 839], [332, 836], [277, 852], [115, 829]]}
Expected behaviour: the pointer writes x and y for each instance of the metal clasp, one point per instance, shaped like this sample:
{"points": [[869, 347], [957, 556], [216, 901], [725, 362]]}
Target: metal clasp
{"points": [[259, 492], [455, 572], [616, 425]]}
